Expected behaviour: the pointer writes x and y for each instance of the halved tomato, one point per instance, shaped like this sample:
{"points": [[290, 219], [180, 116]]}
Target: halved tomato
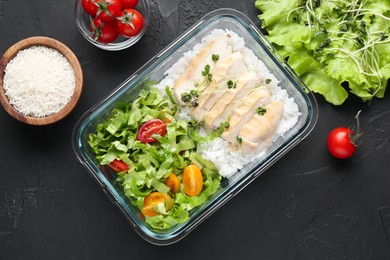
{"points": [[173, 182], [192, 180], [118, 166], [151, 201], [150, 128]]}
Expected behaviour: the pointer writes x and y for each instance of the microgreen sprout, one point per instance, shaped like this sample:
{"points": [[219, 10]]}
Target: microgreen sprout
{"points": [[215, 57], [261, 111], [206, 70], [239, 140], [383, 36], [194, 93], [231, 84], [185, 97]]}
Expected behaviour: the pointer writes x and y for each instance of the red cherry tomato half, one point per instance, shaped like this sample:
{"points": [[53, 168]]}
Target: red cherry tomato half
{"points": [[118, 166], [103, 32], [340, 144], [130, 23], [150, 128], [90, 7], [108, 10], [129, 3]]}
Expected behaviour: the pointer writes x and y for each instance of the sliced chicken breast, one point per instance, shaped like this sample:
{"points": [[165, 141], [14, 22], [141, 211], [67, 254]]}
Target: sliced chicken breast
{"points": [[245, 109], [224, 106], [256, 134]]}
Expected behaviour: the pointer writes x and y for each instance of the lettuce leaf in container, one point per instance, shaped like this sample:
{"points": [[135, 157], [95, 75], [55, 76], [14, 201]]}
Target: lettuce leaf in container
{"points": [[336, 47]]}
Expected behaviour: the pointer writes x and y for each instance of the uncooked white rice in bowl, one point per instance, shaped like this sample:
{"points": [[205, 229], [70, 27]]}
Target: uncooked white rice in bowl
{"points": [[227, 160], [39, 81]]}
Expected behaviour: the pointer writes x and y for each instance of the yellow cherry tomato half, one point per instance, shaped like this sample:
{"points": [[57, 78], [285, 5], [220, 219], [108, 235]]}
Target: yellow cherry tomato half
{"points": [[173, 183], [152, 200], [192, 180]]}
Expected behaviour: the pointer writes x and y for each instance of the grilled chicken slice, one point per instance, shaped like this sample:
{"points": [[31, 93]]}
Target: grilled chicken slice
{"points": [[226, 70], [224, 106], [244, 110], [256, 134], [193, 74]]}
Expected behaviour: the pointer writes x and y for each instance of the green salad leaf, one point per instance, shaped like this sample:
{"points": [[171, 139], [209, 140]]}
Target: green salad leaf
{"points": [[151, 163], [337, 47]]}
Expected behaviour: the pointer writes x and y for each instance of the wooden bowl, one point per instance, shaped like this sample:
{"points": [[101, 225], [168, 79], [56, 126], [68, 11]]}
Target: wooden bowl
{"points": [[67, 53]]}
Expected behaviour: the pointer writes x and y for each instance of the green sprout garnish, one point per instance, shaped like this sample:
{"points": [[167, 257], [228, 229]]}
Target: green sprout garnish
{"points": [[215, 57], [261, 111], [239, 140], [231, 84]]}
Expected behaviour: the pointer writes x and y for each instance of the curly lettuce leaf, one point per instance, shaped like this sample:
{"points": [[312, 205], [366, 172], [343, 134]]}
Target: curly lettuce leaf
{"points": [[335, 51]]}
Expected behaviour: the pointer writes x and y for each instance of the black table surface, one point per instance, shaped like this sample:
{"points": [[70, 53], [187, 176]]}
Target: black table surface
{"points": [[308, 205]]}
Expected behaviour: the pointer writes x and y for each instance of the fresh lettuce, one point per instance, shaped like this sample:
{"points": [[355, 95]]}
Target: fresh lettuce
{"points": [[151, 163], [337, 47]]}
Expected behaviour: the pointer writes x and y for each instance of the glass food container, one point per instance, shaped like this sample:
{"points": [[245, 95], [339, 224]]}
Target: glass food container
{"points": [[154, 70]]}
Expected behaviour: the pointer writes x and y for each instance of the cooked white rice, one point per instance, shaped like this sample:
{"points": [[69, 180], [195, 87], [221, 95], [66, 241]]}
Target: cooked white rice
{"points": [[228, 161]]}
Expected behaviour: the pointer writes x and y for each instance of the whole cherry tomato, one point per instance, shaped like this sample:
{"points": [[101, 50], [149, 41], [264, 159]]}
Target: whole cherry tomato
{"points": [[150, 128], [340, 142], [108, 10], [129, 3], [90, 7], [103, 32], [130, 23]]}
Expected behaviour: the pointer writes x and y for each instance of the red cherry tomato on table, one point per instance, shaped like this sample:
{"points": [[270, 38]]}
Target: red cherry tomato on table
{"points": [[103, 32], [108, 10], [118, 166], [129, 23], [150, 128], [340, 144], [129, 3], [90, 7]]}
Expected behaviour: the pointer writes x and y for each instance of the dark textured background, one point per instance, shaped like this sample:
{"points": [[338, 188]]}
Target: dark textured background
{"points": [[307, 206]]}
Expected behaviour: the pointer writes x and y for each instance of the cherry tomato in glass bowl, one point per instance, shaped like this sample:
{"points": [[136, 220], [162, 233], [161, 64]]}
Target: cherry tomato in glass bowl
{"points": [[90, 7], [129, 3], [103, 32], [129, 23], [83, 21], [341, 142], [108, 10], [150, 128]]}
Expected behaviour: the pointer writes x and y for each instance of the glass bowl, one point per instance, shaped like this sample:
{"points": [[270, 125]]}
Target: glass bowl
{"points": [[83, 21], [154, 71]]}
